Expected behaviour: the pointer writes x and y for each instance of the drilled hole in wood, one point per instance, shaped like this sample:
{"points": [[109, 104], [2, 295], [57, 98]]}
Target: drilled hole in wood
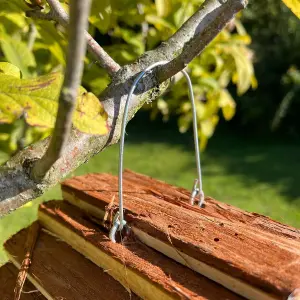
{"points": [[216, 239]]}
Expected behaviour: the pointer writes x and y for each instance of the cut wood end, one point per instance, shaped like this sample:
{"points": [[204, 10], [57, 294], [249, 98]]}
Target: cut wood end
{"points": [[295, 295], [78, 277]]}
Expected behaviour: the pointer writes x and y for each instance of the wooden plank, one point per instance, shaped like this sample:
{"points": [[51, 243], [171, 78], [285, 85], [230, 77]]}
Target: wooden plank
{"points": [[32, 235], [213, 208], [60, 272], [8, 278], [261, 254], [146, 272]]}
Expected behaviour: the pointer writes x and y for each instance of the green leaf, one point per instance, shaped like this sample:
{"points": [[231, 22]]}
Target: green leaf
{"points": [[37, 100], [184, 11], [3, 157], [12, 23], [13, 5], [16, 18], [209, 82], [163, 7], [9, 69], [101, 13], [184, 122], [294, 6], [95, 78], [17, 53], [159, 23], [51, 39]]}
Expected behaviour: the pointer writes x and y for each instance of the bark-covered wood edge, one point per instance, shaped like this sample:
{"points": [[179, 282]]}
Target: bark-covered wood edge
{"points": [[16, 184]]}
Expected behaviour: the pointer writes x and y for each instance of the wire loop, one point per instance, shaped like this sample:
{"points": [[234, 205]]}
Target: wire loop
{"points": [[119, 221]]}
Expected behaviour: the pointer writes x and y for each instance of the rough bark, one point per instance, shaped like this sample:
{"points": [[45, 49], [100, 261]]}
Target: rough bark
{"points": [[16, 184]]}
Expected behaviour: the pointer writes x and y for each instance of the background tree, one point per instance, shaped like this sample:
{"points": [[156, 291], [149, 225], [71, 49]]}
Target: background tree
{"points": [[275, 33]]}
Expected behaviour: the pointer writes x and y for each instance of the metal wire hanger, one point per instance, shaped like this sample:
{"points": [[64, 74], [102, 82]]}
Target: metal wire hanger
{"points": [[119, 221]]}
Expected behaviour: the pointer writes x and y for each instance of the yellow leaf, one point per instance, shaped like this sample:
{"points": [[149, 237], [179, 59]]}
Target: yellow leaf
{"points": [[162, 105], [227, 104], [37, 100], [28, 204], [208, 126], [90, 115], [163, 7], [203, 141], [201, 110], [9, 69], [254, 82], [294, 6], [4, 136], [244, 69], [183, 122]]}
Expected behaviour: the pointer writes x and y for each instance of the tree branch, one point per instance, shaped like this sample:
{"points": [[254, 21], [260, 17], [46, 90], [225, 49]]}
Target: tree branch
{"points": [[31, 36], [59, 11], [39, 15], [17, 187], [79, 13], [195, 35], [58, 14]]}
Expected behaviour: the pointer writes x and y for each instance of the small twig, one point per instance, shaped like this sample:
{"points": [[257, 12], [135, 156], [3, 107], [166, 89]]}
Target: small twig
{"points": [[59, 15], [145, 25], [31, 36], [59, 10], [21, 142], [38, 14], [109, 211], [283, 108], [30, 292], [79, 12], [32, 236]]}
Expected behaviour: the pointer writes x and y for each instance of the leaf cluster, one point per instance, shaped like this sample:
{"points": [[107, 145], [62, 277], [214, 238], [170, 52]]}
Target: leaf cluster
{"points": [[126, 29]]}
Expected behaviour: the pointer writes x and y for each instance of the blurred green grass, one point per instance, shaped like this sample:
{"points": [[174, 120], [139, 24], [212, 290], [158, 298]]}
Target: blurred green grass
{"points": [[255, 175]]}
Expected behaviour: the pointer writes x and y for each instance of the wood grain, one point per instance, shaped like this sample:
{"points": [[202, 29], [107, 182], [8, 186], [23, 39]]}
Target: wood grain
{"points": [[60, 272], [252, 248], [8, 278], [146, 272]]}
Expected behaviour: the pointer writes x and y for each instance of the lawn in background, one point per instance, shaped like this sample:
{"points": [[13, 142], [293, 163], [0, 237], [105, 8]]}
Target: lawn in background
{"points": [[255, 175]]}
